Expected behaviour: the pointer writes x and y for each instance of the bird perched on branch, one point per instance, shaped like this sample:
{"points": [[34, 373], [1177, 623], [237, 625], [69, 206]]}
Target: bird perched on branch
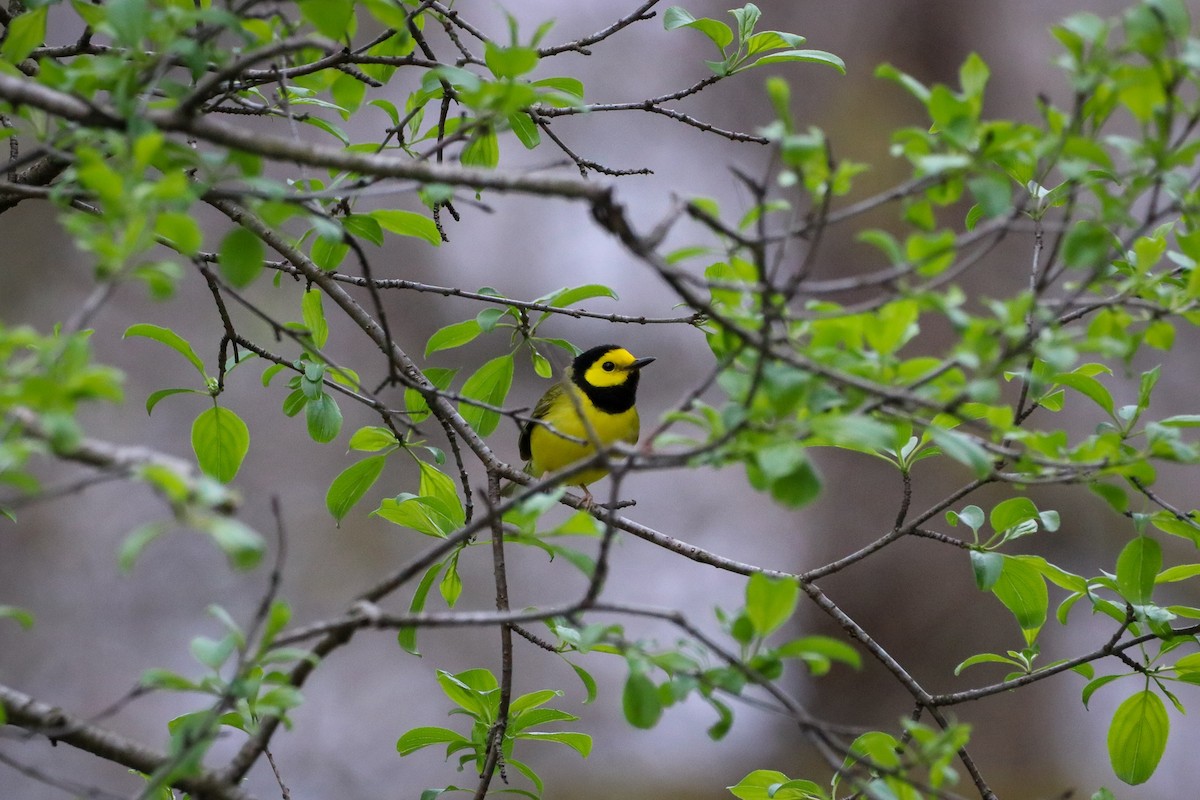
{"points": [[594, 403]]}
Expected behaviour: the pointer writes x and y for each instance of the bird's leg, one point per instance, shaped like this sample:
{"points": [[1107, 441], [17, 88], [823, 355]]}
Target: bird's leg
{"points": [[589, 502]]}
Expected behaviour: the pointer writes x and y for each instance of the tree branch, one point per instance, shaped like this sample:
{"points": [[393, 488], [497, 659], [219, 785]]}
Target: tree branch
{"points": [[56, 725]]}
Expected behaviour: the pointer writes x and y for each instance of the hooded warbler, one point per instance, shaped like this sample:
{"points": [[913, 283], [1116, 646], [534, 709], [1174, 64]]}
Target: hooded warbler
{"points": [[594, 402]]}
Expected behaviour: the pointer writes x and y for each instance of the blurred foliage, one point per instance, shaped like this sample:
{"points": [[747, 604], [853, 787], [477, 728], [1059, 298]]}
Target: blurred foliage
{"points": [[125, 132]]}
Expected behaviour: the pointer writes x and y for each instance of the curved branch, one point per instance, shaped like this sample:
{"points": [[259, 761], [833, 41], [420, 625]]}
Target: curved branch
{"points": [[56, 725], [124, 459], [69, 107]]}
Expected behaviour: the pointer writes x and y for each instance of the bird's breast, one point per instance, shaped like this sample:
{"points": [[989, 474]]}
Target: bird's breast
{"points": [[552, 452]]}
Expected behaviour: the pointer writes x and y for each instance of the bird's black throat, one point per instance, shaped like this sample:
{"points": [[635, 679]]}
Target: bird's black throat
{"points": [[610, 399]]}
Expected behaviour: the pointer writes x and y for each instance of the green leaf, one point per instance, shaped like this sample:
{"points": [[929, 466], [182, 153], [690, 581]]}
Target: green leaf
{"points": [[440, 491], [1087, 245], [348, 92], [212, 653], [640, 701], [854, 432], [240, 257], [579, 742], [324, 418], [17, 615], [241, 544], [720, 33], [154, 397], [417, 738], [1089, 387], [510, 62], [130, 20], [930, 253], [1022, 590], [350, 486], [532, 700], [168, 337], [328, 254], [985, 658], [569, 296], [769, 40], [910, 84], [278, 616], [181, 230], [407, 637], [525, 129], [971, 516], [798, 488], [417, 513], [973, 75], [589, 683], [24, 35], [451, 336], [294, 403], [335, 132], [135, 542], [1093, 685], [747, 19], [1113, 495], [451, 585], [1178, 573], [312, 378], [154, 678], [568, 86], [489, 317], [889, 328], [993, 193], [770, 602], [986, 567], [372, 438], [1182, 420], [765, 784], [1184, 528], [314, 317], [470, 690], [541, 364], [220, 440], [332, 18], [387, 12], [787, 471], [827, 648], [963, 449], [807, 56], [1137, 737], [482, 149], [1012, 512], [1137, 568], [885, 243], [408, 223], [488, 384], [1160, 335]]}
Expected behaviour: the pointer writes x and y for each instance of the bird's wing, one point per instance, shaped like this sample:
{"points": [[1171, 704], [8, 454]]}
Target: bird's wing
{"points": [[539, 412], [634, 429]]}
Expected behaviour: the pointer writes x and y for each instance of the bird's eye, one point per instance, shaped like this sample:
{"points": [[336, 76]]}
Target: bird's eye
{"points": [[609, 366]]}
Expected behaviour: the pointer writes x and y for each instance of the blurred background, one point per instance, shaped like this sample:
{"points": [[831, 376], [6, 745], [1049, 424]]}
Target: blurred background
{"points": [[98, 629]]}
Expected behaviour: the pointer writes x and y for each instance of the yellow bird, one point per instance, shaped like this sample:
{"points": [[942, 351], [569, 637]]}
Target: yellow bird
{"points": [[594, 402]]}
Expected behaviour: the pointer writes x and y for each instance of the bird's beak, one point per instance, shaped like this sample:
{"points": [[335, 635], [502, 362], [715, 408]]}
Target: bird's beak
{"points": [[641, 362]]}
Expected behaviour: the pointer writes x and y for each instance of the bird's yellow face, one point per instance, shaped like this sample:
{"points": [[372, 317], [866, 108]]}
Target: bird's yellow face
{"points": [[613, 368]]}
